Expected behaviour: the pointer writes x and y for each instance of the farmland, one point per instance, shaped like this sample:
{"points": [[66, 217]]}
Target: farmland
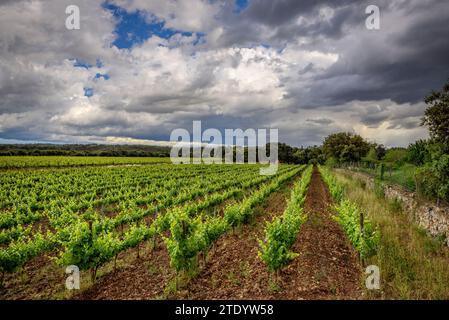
{"points": [[87, 216], [143, 228], [223, 158], [70, 161]]}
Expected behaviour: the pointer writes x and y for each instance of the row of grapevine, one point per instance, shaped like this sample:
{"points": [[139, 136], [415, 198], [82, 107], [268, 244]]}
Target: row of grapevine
{"points": [[362, 234], [38, 191], [191, 236], [64, 214], [70, 161], [155, 191], [97, 243], [13, 258], [72, 232], [282, 231]]}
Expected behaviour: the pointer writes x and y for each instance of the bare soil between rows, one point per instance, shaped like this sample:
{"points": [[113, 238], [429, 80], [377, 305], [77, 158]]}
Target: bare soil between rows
{"points": [[151, 277], [327, 267], [145, 278]]}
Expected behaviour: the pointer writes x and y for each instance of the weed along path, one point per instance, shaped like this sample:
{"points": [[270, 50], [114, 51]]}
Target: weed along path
{"points": [[327, 267]]}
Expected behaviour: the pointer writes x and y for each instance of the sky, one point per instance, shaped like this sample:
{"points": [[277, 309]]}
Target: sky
{"points": [[138, 69]]}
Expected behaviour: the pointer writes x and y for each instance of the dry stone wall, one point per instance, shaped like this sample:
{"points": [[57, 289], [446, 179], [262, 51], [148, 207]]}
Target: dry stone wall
{"points": [[434, 219]]}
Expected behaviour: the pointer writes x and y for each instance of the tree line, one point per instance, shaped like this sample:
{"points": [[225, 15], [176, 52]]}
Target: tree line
{"points": [[83, 150]]}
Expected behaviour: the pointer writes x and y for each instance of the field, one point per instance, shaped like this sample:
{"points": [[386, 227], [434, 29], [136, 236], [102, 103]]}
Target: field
{"points": [[72, 161], [143, 228]]}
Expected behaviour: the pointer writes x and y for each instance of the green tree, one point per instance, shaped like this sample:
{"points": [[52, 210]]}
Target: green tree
{"points": [[436, 116], [309, 155], [418, 153], [380, 151], [345, 146], [371, 157], [301, 156], [396, 156], [433, 177]]}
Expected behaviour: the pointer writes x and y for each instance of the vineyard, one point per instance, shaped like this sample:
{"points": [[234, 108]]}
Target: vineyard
{"points": [[144, 228], [87, 216], [57, 161]]}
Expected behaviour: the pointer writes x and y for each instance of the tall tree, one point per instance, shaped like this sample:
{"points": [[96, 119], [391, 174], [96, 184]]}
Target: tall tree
{"points": [[436, 116], [345, 146]]}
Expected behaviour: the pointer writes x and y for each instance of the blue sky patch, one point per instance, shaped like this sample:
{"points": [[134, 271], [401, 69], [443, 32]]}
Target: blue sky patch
{"points": [[88, 92], [133, 28], [241, 5], [105, 76], [77, 63]]}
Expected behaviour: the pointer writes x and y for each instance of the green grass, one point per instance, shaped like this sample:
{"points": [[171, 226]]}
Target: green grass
{"points": [[403, 175], [412, 264]]}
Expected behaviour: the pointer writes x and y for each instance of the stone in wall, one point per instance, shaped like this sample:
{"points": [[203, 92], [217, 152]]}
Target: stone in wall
{"points": [[434, 219]]}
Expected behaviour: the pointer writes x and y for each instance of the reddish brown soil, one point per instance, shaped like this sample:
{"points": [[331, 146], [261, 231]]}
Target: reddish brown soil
{"points": [[39, 279], [145, 278], [327, 267], [149, 277], [233, 269]]}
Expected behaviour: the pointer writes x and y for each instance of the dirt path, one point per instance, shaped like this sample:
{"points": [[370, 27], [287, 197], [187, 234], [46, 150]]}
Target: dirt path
{"points": [[327, 267]]}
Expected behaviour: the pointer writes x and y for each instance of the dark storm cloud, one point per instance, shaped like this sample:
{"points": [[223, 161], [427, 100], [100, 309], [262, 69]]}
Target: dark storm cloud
{"points": [[5, 2], [276, 13], [333, 28], [320, 121], [275, 22], [403, 66], [318, 26], [404, 124]]}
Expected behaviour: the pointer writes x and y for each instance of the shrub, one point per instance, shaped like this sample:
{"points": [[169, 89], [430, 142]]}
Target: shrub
{"points": [[433, 179]]}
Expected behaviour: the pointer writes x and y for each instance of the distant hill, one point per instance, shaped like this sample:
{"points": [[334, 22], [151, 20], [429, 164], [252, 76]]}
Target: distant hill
{"points": [[83, 150]]}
